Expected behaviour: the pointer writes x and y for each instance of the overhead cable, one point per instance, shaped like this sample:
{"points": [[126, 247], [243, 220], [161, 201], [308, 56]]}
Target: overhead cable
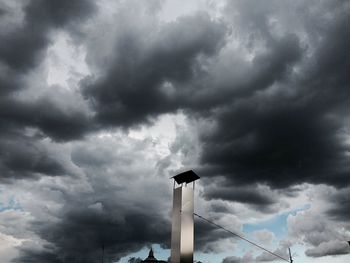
{"points": [[241, 237]]}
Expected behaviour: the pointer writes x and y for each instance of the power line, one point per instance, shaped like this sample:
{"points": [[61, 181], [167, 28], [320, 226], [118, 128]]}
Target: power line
{"points": [[241, 237]]}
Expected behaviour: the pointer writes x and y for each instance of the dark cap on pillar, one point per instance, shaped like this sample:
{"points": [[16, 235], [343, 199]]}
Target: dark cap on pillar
{"points": [[186, 177]]}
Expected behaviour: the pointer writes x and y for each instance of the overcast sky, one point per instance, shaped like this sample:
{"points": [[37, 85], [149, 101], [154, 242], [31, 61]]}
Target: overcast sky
{"points": [[101, 102]]}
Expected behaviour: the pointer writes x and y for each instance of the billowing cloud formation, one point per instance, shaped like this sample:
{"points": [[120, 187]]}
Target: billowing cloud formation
{"points": [[146, 76], [289, 132], [263, 89], [95, 209], [249, 195], [321, 234], [340, 205], [21, 47], [22, 50], [329, 248], [23, 157], [24, 120]]}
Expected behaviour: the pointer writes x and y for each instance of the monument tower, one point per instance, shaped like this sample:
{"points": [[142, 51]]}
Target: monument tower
{"points": [[182, 231]]}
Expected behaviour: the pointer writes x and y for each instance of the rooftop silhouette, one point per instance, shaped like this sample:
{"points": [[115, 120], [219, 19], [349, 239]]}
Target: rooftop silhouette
{"points": [[151, 258]]}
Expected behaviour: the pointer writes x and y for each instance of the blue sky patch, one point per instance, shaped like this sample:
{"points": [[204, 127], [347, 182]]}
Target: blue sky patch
{"points": [[276, 224], [11, 204]]}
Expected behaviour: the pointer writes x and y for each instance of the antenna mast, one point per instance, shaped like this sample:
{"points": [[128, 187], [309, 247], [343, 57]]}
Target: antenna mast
{"points": [[290, 256]]}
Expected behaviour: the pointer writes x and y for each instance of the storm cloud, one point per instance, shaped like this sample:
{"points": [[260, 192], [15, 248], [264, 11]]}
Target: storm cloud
{"points": [[251, 95], [290, 133], [146, 76]]}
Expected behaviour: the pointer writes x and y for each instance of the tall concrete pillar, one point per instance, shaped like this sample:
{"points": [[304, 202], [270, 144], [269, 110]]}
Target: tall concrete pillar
{"points": [[182, 232]]}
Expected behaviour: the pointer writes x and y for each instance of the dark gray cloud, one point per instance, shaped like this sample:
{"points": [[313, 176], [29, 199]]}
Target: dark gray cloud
{"points": [[134, 260], [280, 147], [291, 135], [145, 80], [248, 195], [31, 256], [219, 208], [23, 127], [340, 208], [246, 258], [23, 47], [323, 237], [282, 138], [207, 236], [330, 248], [56, 120], [271, 81], [24, 157], [80, 234], [96, 210], [233, 259]]}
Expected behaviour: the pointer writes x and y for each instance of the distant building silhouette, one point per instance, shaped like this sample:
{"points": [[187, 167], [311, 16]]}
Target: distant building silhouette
{"points": [[152, 259]]}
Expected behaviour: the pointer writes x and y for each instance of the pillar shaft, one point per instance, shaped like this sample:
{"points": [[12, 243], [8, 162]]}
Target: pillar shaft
{"points": [[182, 232]]}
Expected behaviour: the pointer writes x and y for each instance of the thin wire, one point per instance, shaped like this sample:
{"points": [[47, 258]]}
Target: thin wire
{"points": [[241, 237]]}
